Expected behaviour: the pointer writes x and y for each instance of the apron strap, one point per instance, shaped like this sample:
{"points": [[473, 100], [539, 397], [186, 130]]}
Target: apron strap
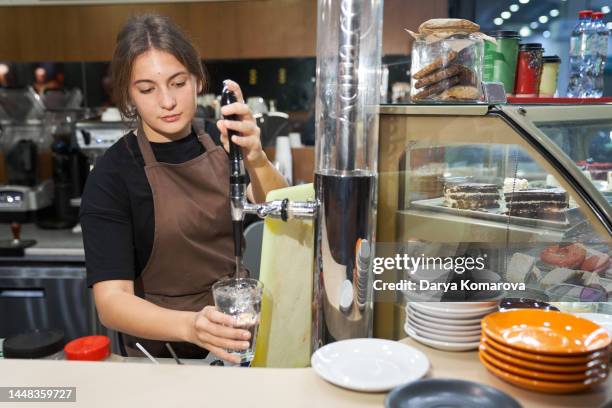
{"points": [[203, 137], [145, 146]]}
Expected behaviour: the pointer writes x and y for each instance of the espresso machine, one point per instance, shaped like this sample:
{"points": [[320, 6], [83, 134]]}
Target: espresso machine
{"points": [[95, 137], [349, 36], [26, 188]]}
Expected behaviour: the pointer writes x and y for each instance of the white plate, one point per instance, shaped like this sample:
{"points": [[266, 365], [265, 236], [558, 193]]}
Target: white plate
{"points": [[449, 321], [371, 365], [460, 307], [452, 337], [440, 329], [601, 319], [441, 345], [447, 311]]}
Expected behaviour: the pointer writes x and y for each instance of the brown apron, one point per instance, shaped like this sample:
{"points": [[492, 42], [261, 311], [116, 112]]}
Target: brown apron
{"points": [[193, 246]]}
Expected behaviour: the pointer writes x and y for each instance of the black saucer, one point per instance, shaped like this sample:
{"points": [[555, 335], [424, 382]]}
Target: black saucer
{"points": [[447, 393]]}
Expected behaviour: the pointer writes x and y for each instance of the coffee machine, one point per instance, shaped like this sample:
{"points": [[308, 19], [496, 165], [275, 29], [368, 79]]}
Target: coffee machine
{"points": [[95, 137], [26, 188]]}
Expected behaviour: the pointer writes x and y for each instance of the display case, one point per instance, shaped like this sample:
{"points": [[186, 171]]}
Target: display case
{"points": [[526, 189]]}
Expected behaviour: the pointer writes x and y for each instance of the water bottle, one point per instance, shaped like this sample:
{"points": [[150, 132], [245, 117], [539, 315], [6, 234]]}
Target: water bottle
{"points": [[580, 57], [601, 34]]}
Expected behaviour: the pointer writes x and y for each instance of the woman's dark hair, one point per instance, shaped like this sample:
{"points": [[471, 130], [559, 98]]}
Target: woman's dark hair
{"points": [[139, 35]]}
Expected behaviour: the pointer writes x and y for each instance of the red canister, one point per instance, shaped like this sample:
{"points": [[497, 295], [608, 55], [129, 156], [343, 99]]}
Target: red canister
{"points": [[528, 69], [88, 348]]}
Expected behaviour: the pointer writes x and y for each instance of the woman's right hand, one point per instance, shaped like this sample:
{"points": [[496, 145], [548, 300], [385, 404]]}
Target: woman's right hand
{"points": [[215, 332]]}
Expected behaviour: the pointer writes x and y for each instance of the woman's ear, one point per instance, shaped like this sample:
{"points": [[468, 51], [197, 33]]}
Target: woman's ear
{"points": [[200, 86]]}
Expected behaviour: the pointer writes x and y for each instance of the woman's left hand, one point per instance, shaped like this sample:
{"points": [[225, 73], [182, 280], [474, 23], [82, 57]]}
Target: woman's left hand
{"points": [[249, 138]]}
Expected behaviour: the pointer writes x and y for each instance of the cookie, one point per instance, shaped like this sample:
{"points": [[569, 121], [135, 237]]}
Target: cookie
{"points": [[467, 76], [437, 64], [438, 76], [436, 88], [460, 93], [448, 24]]}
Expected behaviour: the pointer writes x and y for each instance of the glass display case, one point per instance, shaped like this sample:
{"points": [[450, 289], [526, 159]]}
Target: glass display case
{"points": [[527, 190]]}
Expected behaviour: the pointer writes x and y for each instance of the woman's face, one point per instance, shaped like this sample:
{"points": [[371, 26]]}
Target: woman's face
{"points": [[164, 93]]}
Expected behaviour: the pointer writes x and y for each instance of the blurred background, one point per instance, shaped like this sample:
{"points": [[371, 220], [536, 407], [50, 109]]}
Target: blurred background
{"points": [[268, 45]]}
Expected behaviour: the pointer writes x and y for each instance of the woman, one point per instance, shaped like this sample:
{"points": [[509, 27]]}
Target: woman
{"points": [[155, 211]]}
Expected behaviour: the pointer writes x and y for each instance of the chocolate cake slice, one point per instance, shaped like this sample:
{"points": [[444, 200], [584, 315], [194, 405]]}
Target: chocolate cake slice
{"points": [[471, 196], [539, 203]]}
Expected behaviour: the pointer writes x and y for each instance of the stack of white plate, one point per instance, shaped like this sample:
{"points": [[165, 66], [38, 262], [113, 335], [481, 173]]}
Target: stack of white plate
{"points": [[450, 326]]}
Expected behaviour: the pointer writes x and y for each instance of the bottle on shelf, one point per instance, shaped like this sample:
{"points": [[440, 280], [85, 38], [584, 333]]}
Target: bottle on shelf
{"points": [[582, 57], [601, 35]]}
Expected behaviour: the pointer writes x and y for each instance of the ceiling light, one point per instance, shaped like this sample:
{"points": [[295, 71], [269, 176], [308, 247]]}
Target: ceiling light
{"points": [[523, 1], [514, 8], [525, 31], [534, 25], [554, 13], [506, 15], [605, 9], [543, 19], [546, 34], [498, 21]]}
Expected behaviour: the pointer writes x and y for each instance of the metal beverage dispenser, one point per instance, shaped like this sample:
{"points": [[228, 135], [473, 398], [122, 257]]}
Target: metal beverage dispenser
{"points": [[349, 36], [348, 77]]}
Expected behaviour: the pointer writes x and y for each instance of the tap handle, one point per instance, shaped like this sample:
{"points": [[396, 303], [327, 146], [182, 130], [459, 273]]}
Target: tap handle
{"points": [[228, 97]]}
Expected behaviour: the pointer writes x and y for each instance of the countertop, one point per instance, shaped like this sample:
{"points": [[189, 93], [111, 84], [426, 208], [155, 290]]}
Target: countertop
{"points": [[138, 384], [51, 245]]}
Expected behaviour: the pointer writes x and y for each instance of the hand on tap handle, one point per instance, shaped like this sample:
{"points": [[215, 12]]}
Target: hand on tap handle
{"points": [[237, 178], [227, 98]]}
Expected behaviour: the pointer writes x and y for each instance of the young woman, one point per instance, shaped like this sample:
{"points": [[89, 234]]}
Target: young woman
{"points": [[155, 211]]}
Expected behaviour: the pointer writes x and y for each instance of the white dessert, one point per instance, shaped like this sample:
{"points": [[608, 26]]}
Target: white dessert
{"points": [[558, 275], [519, 267], [514, 184], [590, 278], [537, 273]]}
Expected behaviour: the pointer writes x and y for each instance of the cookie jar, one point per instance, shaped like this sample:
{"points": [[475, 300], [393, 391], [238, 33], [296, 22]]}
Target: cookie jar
{"points": [[447, 70]]}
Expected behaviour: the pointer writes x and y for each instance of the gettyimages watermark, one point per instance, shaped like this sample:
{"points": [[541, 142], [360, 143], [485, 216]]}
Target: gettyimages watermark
{"points": [[434, 272], [410, 265]]}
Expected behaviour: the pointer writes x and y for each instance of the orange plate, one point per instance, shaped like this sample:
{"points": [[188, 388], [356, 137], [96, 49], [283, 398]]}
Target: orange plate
{"points": [[549, 387], [539, 358], [545, 331], [594, 374], [551, 368]]}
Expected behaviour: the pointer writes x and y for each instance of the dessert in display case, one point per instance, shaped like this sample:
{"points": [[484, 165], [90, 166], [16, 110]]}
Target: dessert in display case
{"points": [[526, 190]]}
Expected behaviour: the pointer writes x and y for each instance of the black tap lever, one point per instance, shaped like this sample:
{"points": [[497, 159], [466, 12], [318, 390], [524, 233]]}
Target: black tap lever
{"points": [[237, 179]]}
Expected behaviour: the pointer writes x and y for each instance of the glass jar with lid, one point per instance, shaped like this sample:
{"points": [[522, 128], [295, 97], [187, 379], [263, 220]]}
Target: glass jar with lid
{"points": [[447, 69]]}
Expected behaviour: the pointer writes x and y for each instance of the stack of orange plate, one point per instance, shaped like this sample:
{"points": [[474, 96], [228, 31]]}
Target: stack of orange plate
{"points": [[545, 351]]}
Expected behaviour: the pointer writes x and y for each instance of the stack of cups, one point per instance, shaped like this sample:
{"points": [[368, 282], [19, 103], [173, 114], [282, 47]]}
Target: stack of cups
{"points": [[528, 70], [363, 264], [550, 74], [500, 58]]}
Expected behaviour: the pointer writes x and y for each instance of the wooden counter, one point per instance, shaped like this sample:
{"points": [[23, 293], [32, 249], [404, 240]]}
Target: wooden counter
{"points": [[120, 384]]}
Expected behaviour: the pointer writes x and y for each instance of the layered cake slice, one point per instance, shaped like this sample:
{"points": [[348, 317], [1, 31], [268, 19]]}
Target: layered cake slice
{"points": [[471, 196], [540, 203]]}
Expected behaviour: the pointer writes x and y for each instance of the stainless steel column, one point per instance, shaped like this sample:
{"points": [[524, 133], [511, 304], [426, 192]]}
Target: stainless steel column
{"points": [[349, 36]]}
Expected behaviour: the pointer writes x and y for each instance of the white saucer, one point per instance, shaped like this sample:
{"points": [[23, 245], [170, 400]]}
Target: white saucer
{"points": [[371, 365], [441, 329], [447, 311], [449, 321], [441, 345], [453, 337], [459, 307]]}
